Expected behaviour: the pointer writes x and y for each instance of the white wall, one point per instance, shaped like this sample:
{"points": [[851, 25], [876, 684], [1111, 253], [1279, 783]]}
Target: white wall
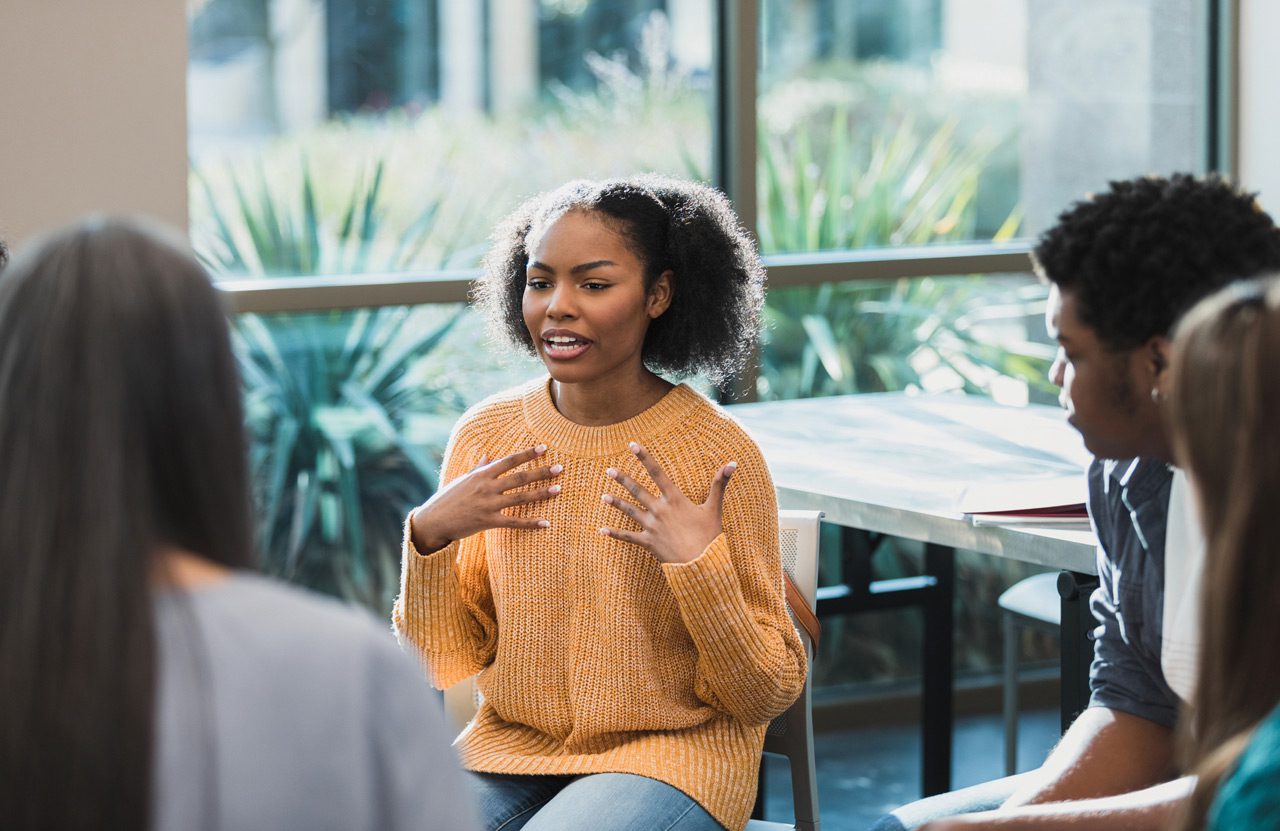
{"points": [[92, 111], [1259, 145]]}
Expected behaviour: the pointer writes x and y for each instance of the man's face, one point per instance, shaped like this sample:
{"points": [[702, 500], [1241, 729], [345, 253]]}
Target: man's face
{"points": [[1106, 393]]}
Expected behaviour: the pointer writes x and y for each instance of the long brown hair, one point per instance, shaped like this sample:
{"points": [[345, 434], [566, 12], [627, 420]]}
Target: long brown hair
{"points": [[1225, 410], [120, 432]]}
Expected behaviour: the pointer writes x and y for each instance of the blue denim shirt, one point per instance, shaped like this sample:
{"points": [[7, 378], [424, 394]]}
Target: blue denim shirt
{"points": [[1129, 505]]}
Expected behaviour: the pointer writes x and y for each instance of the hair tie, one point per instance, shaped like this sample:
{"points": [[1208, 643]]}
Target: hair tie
{"points": [[1249, 294]]}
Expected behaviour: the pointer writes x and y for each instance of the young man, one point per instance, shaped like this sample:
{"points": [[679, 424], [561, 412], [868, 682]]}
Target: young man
{"points": [[1123, 266]]}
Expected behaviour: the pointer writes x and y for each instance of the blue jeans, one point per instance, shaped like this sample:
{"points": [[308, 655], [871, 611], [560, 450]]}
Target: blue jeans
{"points": [[599, 801], [985, 797]]}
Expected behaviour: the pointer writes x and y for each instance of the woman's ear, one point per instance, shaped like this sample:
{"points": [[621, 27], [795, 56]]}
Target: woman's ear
{"points": [[660, 294]]}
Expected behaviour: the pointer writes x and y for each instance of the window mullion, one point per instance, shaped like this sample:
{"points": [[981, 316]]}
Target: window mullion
{"points": [[737, 40]]}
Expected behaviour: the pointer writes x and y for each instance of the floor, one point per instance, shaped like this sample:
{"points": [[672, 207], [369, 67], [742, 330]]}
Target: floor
{"points": [[863, 773]]}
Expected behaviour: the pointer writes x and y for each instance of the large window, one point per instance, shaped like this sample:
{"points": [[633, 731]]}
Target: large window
{"points": [[910, 138], [893, 157], [348, 162], [352, 138], [916, 122]]}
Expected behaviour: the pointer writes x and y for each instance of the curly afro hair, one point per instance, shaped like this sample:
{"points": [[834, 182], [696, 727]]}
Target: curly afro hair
{"points": [[669, 224], [1138, 256]]}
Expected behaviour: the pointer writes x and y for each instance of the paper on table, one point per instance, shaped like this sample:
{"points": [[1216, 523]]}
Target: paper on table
{"points": [[1074, 520], [1052, 496]]}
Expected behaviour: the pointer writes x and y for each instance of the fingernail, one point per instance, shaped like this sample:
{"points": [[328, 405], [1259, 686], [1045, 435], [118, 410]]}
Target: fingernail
{"points": [[554, 489], [542, 448], [604, 497], [635, 448], [604, 532], [557, 469], [542, 523], [732, 466], [611, 472]]}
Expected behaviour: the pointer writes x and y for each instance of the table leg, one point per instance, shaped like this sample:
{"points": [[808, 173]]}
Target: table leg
{"points": [[1077, 650], [934, 592], [938, 671]]}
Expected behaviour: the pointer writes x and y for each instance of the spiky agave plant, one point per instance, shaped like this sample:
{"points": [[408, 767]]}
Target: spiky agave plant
{"points": [[328, 394]]}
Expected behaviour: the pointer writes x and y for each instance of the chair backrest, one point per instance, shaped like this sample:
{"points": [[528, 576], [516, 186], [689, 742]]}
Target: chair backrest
{"points": [[461, 701], [791, 734]]}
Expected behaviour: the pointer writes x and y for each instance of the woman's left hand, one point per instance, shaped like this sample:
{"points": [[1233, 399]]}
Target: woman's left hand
{"points": [[672, 528]]}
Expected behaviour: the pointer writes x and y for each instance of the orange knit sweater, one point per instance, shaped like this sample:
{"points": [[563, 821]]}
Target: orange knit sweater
{"points": [[593, 656]]}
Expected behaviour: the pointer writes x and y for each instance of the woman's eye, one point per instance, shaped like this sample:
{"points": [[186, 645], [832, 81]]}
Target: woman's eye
{"points": [[595, 286], [536, 284]]}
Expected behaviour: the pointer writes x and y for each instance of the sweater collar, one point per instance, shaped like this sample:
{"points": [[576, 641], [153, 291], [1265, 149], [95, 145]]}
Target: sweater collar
{"points": [[559, 433]]}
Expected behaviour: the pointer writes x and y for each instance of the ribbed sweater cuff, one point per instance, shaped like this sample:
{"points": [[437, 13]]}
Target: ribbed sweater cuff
{"points": [[434, 617], [711, 602]]}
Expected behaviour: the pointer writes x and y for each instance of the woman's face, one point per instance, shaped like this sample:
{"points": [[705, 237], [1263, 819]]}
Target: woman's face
{"points": [[585, 303]]}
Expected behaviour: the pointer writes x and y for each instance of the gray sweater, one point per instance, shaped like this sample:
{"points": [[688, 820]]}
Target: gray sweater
{"points": [[281, 710]]}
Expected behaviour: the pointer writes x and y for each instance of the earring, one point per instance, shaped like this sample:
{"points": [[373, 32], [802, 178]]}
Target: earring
{"points": [[1157, 397]]}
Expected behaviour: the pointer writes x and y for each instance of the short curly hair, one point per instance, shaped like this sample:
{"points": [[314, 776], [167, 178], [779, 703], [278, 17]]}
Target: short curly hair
{"points": [[1138, 256], [669, 224]]}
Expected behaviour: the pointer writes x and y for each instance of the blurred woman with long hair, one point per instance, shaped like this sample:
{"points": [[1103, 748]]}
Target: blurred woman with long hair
{"points": [[147, 679], [1225, 405]]}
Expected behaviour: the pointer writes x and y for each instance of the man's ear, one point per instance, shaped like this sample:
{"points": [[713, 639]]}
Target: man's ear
{"points": [[1158, 351], [660, 294]]}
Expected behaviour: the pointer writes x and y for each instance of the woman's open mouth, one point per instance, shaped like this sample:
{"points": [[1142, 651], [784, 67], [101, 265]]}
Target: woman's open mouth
{"points": [[564, 347]]}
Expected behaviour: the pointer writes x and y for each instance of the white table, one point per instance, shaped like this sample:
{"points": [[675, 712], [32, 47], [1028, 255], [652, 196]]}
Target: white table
{"points": [[900, 465]]}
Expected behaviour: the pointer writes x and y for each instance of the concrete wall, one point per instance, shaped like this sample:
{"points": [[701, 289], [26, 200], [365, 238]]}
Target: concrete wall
{"points": [[1116, 90], [1259, 144], [92, 111]]}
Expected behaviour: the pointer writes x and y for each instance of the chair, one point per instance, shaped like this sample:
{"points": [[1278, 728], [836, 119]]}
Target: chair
{"points": [[1031, 602], [790, 734], [461, 701]]}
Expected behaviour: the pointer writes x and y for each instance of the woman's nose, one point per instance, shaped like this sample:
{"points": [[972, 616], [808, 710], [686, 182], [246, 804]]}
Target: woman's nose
{"points": [[560, 304]]}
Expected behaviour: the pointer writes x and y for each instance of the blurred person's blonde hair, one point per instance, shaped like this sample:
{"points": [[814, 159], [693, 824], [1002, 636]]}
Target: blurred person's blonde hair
{"points": [[1225, 415]]}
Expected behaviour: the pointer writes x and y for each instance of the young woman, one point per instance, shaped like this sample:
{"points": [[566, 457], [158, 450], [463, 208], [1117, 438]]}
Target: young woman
{"points": [[1226, 415], [605, 550], [147, 679]]}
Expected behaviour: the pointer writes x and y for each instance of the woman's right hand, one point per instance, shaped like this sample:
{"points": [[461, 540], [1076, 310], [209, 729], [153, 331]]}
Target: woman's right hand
{"points": [[475, 501]]}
